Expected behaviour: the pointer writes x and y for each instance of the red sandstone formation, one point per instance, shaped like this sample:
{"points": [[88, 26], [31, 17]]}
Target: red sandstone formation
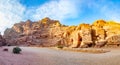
{"points": [[47, 32]]}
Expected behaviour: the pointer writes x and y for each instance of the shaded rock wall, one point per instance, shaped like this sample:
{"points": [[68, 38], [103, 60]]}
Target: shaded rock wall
{"points": [[2, 41]]}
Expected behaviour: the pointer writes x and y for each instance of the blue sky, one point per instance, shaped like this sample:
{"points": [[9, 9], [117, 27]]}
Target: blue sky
{"points": [[69, 12]]}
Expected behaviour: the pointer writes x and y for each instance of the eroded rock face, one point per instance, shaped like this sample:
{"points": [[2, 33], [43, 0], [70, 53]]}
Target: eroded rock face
{"points": [[47, 32], [75, 39], [114, 39], [98, 34], [86, 38]]}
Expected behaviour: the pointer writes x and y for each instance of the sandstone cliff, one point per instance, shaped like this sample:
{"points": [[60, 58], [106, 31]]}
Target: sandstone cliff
{"points": [[47, 32]]}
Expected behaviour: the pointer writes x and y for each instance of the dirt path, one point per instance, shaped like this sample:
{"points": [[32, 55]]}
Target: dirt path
{"points": [[46, 56]]}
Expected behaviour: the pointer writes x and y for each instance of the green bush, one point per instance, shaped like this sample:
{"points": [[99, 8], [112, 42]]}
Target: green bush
{"points": [[16, 50], [60, 46]]}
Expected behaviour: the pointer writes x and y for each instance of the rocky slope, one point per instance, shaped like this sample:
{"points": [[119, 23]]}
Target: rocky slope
{"points": [[47, 32]]}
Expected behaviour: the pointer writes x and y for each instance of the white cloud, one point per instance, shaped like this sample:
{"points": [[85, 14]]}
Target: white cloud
{"points": [[60, 10], [11, 11]]}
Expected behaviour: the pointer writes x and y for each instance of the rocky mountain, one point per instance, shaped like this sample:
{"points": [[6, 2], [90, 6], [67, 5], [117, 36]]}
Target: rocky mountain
{"points": [[47, 32]]}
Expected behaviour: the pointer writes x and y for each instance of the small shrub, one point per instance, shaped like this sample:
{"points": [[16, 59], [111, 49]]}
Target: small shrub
{"points": [[16, 50], [60, 46]]}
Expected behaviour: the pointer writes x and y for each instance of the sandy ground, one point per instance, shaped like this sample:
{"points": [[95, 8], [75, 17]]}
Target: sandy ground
{"points": [[47, 56]]}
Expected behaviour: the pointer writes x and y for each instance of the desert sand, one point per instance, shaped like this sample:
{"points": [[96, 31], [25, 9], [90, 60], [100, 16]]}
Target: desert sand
{"points": [[47, 56]]}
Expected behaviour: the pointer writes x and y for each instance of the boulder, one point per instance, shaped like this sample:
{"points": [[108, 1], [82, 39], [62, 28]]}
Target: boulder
{"points": [[100, 43]]}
